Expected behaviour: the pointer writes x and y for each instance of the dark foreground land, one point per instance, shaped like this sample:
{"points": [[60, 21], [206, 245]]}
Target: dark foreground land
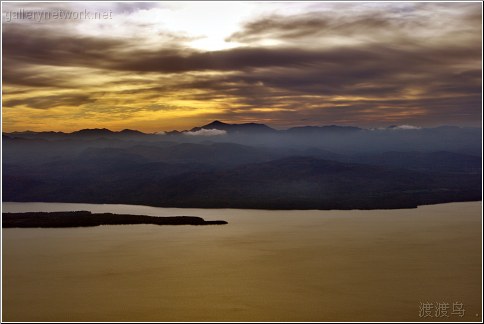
{"points": [[85, 218]]}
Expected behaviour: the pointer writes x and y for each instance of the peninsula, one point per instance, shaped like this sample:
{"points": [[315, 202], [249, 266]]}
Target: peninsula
{"points": [[86, 218]]}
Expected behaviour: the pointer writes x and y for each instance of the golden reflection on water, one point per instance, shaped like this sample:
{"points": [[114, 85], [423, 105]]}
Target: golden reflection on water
{"points": [[262, 266]]}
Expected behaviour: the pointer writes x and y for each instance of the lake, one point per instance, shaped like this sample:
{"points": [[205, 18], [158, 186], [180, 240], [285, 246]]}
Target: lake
{"points": [[376, 265]]}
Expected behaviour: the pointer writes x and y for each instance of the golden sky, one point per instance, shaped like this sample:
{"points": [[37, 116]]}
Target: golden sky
{"points": [[163, 66]]}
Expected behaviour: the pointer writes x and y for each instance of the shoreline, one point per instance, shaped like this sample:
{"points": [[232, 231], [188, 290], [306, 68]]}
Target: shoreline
{"points": [[237, 208]]}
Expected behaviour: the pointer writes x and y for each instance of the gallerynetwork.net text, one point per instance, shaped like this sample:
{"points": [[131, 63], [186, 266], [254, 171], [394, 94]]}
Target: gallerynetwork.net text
{"points": [[44, 15]]}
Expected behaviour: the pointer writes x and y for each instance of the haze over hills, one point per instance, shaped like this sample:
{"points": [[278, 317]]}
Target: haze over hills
{"points": [[247, 166], [242, 128], [337, 139]]}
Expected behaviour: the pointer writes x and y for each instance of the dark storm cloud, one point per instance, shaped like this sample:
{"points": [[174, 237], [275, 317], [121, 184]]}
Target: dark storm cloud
{"points": [[388, 67], [377, 72], [307, 25], [378, 24], [22, 46]]}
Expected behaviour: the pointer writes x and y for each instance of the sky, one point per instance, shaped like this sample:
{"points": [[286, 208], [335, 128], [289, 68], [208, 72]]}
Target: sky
{"points": [[157, 66]]}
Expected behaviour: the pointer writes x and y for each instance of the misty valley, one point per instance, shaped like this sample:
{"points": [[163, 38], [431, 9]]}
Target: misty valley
{"points": [[253, 166]]}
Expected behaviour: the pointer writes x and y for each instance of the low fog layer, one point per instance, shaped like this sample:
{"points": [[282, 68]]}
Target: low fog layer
{"points": [[247, 166]]}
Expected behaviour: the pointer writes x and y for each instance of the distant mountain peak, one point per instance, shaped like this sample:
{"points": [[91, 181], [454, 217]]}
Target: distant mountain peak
{"points": [[104, 132], [236, 128], [217, 122], [130, 131], [24, 132], [93, 131]]}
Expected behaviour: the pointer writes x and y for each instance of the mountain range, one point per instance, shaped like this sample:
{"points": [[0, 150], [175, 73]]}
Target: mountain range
{"points": [[247, 128], [247, 166]]}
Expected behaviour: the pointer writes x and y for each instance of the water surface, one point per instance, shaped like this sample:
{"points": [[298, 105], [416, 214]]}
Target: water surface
{"points": [[263, 266]]}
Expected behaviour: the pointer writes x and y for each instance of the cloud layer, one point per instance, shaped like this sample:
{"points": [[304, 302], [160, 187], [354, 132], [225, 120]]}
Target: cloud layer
{"points": [[287, 64], [206, 132]]}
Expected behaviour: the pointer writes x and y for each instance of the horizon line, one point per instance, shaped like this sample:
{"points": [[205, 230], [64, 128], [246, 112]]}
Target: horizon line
{"points": [[403, 126]]}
